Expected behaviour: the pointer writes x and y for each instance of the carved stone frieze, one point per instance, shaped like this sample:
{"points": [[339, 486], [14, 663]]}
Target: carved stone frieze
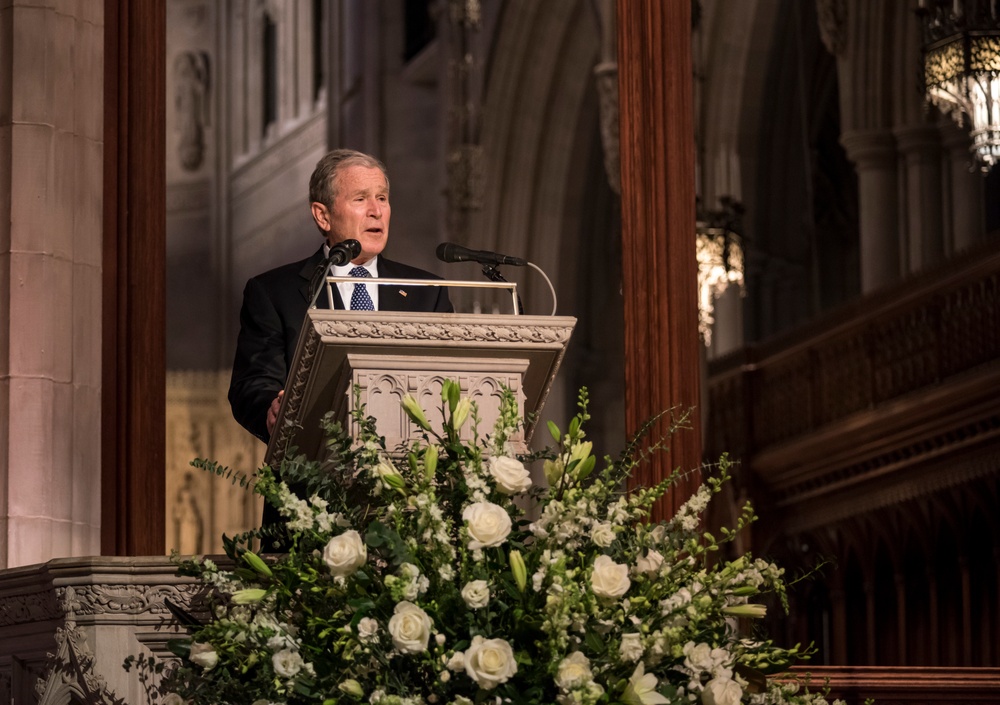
{"points": [[125, 599], [21, 609], [401, 330]]}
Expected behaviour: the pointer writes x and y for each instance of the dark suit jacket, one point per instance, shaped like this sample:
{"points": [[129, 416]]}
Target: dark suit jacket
{"points": [[274, 306]]}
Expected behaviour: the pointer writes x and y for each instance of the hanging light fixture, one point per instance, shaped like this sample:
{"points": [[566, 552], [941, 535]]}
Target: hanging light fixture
{"points": [[961, 53], [720, 258]]}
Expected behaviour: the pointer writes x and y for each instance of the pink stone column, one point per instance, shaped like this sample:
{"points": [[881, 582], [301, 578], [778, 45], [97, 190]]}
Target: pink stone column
{"points": [[51, 141], [874, 155]]}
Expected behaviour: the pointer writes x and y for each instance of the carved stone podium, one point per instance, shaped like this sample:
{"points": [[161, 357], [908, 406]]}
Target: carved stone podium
{"points": [[388, 355]]}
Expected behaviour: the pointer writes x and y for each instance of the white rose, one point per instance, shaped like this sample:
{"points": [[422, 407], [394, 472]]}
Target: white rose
{"points": [[476, 594], [489, 662], [650, 563], [489, 524], [631, 647], [346, 553], [602, 534], [511, 475], [203, 655], [367, 629], [410, 627], [173, 699], [573, 672], [287, 663], [722, 691], [609, 579]]}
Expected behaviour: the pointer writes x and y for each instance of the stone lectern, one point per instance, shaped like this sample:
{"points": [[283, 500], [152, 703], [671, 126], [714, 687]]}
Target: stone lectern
{"points": [[388, 355]]}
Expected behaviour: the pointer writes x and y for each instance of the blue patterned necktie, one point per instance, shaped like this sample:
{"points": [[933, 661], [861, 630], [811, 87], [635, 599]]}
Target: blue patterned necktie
{"points": [[360, 300]]}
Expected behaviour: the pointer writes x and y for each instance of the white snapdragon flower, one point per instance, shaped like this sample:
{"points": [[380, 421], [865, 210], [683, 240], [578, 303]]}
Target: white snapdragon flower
{"points": [[410, 628], [489, 662], [649, 564], [457, 661], [722, 691], [602, 534], [345, 553], [631, 647], [488, 524], [203, 655], [510, 474], [609, 579], [476, 594], [287, 663], [573, 672]]}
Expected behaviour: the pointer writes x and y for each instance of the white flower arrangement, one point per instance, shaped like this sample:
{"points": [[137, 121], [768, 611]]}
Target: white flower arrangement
{"points": [[418, 578]]}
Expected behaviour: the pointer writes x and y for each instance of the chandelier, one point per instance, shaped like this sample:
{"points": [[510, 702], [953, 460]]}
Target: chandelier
{"points": [[961, 52], [719, 250]]}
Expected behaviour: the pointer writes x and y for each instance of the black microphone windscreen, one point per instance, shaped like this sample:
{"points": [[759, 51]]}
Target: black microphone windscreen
{"points": [[448, 252]]}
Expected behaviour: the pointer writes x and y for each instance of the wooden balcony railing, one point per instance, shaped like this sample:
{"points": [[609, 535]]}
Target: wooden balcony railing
{"points": [[895, 376], [909, 686]]}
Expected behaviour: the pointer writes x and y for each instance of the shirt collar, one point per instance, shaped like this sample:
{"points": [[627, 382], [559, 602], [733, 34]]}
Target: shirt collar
{"points": [[343, 270]]}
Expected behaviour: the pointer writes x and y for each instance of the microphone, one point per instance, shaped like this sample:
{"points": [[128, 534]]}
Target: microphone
{"points": [[449, 252], [343, 252]]}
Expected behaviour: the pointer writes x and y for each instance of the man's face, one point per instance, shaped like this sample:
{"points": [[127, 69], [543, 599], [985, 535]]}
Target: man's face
{"points": [[360, 210]]}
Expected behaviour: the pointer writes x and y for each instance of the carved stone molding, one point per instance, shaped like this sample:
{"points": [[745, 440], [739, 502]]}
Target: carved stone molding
{"points": [[71, 676], [67, 625], [832, 15], [263, 165]]}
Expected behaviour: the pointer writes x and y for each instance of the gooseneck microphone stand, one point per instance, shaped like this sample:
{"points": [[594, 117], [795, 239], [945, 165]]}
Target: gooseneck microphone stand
{"points": [[494, 275]]}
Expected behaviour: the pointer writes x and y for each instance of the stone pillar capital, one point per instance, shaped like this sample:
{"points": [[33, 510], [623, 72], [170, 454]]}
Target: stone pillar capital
{"points": [[869, 148], [918, 140]]}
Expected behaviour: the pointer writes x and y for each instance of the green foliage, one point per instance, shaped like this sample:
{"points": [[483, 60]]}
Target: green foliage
{"points": [[443, 572]]}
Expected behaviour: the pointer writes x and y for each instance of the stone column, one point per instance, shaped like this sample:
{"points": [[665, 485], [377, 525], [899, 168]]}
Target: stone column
{"points": [[966, 225], [874, 155], [51, 137], [920, 146]]}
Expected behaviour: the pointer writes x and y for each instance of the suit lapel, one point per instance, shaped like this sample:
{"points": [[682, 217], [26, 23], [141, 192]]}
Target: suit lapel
{"points": [[391, 298], [305, 277]]}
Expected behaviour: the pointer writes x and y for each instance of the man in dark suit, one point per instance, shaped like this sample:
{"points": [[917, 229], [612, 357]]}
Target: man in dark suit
{"points": [[349, 199]]}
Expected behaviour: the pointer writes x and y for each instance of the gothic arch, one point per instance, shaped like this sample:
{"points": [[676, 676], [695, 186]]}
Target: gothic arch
{"points": [[547, 196]]}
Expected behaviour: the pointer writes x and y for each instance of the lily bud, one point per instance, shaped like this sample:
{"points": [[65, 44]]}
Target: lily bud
{"points": [[461, 413], [416, 414], [257, 563], [752, 611], [249, 596], [351, 687], [430, 461], [390, 476], [519, 570]]}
